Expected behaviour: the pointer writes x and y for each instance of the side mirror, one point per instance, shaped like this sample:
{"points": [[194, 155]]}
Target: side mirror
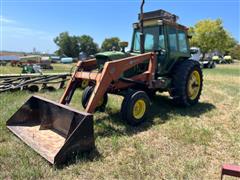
{"points": [[123, 45]]}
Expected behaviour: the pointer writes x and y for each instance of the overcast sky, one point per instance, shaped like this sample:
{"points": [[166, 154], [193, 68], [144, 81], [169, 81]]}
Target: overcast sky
{"points": [[28, 24]]}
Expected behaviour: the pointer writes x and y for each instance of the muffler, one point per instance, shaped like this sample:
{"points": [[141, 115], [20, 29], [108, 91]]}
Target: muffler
{"points": [[57, 132]]}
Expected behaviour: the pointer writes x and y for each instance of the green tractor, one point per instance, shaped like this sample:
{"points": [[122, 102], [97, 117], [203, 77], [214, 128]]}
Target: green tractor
{"points": [[159, 32], [31, 68], [159, 60]]}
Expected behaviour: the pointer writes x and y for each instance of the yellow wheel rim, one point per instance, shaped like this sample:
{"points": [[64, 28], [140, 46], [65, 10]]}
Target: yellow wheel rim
{"points": [[139, 109], [84, 83], [194, 83]]}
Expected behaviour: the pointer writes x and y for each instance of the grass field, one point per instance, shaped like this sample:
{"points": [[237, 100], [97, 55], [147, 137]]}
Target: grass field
{"points": [[17, 70], [175, 143]]}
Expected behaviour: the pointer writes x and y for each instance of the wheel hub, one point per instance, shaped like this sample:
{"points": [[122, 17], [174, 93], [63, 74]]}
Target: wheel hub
{"points": [[139, 109], [194, 85], [84, 83]]}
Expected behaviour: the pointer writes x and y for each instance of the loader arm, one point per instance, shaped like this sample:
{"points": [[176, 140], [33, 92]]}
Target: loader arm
{"points": [[72, 83], [110, 74]]}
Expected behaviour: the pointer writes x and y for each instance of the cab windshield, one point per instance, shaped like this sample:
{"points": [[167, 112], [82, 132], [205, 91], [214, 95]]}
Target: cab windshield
{"points": [[154, 39]]}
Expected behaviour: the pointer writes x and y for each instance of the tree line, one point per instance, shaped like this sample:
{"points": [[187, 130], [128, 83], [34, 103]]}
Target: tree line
{"points": [[208, 35], [71, 46]]}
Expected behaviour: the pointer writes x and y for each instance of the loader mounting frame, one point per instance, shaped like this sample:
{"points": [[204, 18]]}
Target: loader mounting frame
{"points": [[108, 80]]}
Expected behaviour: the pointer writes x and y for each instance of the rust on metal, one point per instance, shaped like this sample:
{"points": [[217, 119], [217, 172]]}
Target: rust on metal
{"points": [[111, 73], [53, 130], [46, 142], [57, 131], [88, 75]]}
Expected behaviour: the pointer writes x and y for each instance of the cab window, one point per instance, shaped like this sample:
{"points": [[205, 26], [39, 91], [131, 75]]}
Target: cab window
{"points": [[151, 39], [136, 44], [149, 42], [161, 39], [182, 41], [172, 38]]}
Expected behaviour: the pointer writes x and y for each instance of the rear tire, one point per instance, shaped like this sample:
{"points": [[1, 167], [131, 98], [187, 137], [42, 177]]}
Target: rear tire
{"points": [[135, 107], [186, 83], [86, 96]]}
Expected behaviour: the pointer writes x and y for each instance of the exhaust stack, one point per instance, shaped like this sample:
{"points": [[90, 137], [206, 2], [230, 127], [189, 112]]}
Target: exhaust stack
{"points": [[142, 37]]}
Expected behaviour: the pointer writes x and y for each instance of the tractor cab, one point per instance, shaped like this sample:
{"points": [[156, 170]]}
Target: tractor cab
{"points": [[162, 34]]}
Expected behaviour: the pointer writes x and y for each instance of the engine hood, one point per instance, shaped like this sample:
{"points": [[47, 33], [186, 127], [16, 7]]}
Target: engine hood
{"points": [[112, 55]]}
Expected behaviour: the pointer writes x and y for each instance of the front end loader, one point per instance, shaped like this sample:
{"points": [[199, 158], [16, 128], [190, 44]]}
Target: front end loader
{"points": [[158, 61], [55, 131]]}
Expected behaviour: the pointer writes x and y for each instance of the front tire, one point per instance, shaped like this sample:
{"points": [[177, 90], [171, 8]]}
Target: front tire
{"points": [[186, 83], [135, 107], [86, 96], [84, 83]]}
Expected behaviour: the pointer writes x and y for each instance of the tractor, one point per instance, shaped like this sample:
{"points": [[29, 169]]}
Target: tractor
{"points": [[158, 61], [228, 59]]}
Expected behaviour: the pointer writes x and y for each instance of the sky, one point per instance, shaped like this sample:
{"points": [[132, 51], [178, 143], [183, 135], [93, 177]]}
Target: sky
{"points": [[28, 24]]}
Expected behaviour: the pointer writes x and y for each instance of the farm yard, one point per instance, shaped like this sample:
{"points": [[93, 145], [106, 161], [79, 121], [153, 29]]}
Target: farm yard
{"points": [[57, 68], [174, 143]]}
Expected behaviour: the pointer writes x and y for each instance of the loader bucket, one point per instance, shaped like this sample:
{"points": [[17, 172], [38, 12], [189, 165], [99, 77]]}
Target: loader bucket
{"points": [[57, 132]]}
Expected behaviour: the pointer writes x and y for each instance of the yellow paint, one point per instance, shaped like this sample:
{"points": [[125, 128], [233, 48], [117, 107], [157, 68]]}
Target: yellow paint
{"points": [[194, 83], [84, 83], [139, 109]]}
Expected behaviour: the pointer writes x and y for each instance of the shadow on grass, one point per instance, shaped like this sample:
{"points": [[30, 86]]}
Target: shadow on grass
{"points": [[80, 158], [111, 124], [162, 110]]}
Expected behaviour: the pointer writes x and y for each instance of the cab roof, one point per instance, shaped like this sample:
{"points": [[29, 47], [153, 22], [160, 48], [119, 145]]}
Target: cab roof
{"points": [[159, 17], [159, 14]]}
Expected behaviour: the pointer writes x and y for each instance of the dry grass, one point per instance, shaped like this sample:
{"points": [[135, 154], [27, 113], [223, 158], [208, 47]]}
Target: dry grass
{"points": [[175, 143]]}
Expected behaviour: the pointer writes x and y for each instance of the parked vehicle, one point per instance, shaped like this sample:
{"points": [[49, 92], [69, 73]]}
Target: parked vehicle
{"points": [[8, 59], [55, 59], [66, 60], [3, 63], [31, 68], [228, 59], [216, 59], [195, 53], [197, 56]]}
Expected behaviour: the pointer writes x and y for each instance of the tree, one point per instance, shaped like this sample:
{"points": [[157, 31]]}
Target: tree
{"points": [[75, 46], [87, 45], [210, 35], [235, 52], [72, 45], [68, 45], [110, 44], [230, 43]]}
